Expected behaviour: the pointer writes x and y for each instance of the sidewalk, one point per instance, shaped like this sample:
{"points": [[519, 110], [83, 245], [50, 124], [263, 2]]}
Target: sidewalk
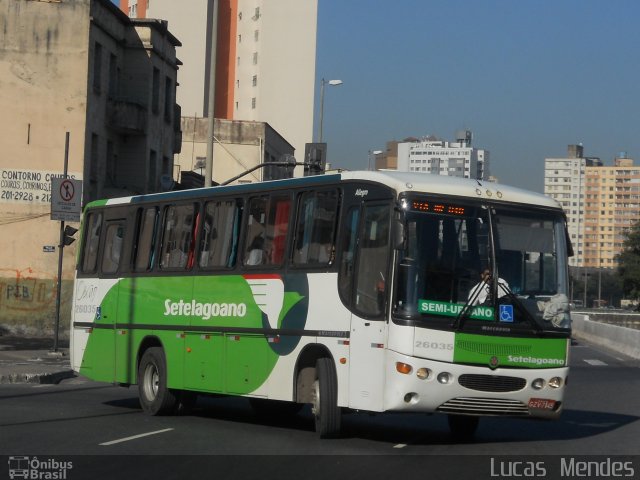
{"points": [[30, 360]]}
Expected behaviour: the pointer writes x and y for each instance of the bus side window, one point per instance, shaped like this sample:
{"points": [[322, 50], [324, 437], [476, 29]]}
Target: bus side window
{"points": [[347, 258], [92, 240], [373, 261], [267, 230], [255, 253], [315, 229], [145, 242], [112, 248], [279, 224], [178, 235], [219, 234]]}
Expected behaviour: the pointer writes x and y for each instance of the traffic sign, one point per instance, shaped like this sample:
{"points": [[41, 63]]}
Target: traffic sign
{"points": [[66, 199]]}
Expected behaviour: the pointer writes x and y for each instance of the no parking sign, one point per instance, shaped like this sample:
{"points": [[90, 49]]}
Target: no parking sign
{"points": [[66, 199]]}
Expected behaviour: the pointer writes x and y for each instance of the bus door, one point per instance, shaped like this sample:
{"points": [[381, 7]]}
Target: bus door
{"points": [[368, 325], [107, 312]]}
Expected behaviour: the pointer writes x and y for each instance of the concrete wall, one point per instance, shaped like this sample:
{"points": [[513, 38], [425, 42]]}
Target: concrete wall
{"points": [[620, 339], [43, 74]]}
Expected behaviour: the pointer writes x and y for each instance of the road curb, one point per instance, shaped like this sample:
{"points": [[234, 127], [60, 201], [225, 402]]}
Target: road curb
{"points": [[41, 378]]}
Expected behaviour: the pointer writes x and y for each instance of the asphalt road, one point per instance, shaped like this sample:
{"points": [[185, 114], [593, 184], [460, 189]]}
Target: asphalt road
{"points": [[80, 417]]}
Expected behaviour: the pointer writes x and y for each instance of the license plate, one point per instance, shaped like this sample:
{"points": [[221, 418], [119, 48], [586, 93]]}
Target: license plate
{"points": [[542, 403]]}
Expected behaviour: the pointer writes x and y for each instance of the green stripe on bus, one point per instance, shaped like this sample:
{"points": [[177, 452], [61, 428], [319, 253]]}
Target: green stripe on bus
{"points": [[171, 308], [510, 351]]}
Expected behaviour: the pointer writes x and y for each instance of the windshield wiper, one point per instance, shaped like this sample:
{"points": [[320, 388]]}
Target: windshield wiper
{"points": [[518, 303], [458, 323]]}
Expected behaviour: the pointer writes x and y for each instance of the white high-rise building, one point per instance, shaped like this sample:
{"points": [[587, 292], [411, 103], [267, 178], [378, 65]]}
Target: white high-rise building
{"points": [[265, 60], [564, 181], [440, 157]]}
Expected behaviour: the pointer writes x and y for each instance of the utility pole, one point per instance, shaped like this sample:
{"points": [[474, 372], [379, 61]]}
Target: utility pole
{"points": [[60, 252], [66, 197], [208, 171]]}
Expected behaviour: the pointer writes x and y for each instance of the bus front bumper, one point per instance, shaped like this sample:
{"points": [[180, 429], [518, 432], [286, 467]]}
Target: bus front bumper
{"points": [[421, 385]]}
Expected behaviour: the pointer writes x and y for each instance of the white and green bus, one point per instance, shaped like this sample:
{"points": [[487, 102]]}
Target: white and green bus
{"points": [[355, 292]]}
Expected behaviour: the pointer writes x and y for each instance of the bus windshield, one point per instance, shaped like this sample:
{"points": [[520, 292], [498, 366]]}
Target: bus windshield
{"points": [[482, 267]]}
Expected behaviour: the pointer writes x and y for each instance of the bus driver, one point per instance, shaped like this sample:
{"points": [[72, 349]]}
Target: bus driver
{"points": [[482, 291]]}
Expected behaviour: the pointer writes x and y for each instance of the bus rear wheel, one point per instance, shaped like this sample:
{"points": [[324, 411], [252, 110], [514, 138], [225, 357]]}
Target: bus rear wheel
{"points": [[324, 396], [463, 427], [155, 397]]}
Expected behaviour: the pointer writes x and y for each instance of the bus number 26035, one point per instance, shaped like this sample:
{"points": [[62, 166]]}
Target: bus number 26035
{"points": [[434, 345]]}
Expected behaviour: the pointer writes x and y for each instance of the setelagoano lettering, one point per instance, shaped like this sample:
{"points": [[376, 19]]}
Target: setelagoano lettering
{"points": [[203, 310], [537, 361]]}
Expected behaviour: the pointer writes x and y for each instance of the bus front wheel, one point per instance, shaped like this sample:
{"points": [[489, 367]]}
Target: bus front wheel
{"points": [[155, 397], [324, 395]]}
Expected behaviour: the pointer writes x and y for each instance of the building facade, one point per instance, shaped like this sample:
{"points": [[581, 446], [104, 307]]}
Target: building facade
{"points": [[388, 159], [239, 146], [265, 60], [83, 67], [440, 157], [612, 206], [564, 181]]}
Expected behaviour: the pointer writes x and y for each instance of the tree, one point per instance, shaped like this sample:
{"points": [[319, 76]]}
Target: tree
{"points": [[629, 262]]}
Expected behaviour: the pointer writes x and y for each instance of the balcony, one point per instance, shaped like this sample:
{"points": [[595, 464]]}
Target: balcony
{"points": [[128, 118]]}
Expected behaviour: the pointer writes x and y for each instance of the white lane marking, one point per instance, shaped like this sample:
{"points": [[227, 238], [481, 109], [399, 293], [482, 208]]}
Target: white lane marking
{"points": [[400, 445], [136, 436], [595, 363]]}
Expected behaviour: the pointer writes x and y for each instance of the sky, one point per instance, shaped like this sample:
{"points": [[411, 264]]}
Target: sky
{"points": [[526, 77]]}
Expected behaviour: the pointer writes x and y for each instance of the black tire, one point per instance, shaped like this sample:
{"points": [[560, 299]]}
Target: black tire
{"points": [[463, 427], [155, 397], [274, 408], [324, 396]]}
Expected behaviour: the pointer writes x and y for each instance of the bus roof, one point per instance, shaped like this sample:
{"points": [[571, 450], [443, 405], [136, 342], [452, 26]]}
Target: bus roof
{"points": [[456, 186], [398, 181]]}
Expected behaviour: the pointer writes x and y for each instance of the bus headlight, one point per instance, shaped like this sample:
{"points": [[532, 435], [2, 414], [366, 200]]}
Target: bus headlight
{"points": [[445, 378], [537, 384], [423, 373], [555, 382]]}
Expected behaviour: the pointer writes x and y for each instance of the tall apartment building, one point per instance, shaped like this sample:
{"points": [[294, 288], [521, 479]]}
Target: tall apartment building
{"points": [[564, 180], [265, 60], [440, 157], [612, 206], [83, 67]]}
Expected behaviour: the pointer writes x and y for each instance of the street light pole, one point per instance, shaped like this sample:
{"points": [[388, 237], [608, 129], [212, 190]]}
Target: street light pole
{"points": [[322, 84]]}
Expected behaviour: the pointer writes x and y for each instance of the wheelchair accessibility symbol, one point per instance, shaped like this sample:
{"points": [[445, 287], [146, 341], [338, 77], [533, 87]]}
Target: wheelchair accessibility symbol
{"points": [[506, 313]]}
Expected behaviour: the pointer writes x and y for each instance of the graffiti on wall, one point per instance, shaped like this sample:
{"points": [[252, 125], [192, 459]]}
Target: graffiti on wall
{"points": [[28, 300]]}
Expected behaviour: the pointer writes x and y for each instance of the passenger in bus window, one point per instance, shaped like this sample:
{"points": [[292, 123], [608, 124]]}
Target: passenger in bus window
{"points": [[256, 255], [314, 253], [481, 293]]}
